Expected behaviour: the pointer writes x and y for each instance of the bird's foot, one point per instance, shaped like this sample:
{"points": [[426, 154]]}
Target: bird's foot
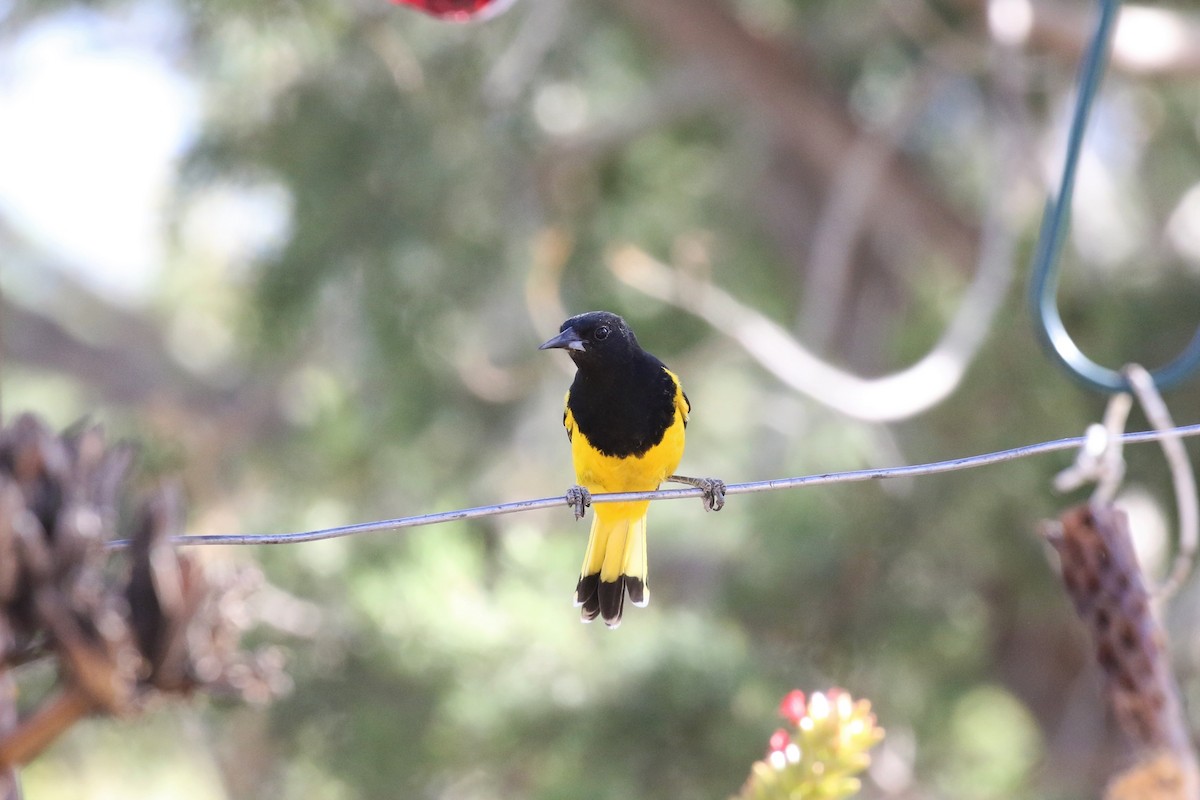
{"points": [[579, 498], [714, 493], [713, 489]]}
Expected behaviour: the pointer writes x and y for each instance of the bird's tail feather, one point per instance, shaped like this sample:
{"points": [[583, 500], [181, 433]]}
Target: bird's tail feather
{"points": [[613, 564]]}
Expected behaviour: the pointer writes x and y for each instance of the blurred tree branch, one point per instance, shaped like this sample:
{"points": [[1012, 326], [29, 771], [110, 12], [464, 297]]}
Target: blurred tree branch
{"points": [[119, 355], [121, 374], [815, 127], [135, 370], [898, 395]]}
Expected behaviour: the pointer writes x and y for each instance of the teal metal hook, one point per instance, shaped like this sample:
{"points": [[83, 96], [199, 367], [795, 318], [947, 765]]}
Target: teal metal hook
{"points": [[1043, 285]]}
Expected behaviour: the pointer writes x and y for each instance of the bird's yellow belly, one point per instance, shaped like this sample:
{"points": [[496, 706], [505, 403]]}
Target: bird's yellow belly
{"points": [[599, 473]]}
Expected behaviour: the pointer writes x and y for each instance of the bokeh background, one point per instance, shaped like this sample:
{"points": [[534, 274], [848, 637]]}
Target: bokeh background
{"points": [[304, 251]]}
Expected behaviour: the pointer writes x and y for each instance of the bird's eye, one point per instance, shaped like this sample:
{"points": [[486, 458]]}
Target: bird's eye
{"points": [[601, 333]]}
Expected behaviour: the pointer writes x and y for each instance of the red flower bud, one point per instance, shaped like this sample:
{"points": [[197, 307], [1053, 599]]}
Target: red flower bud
{"points": [[779, 741], [458, 10], [793, 707]]}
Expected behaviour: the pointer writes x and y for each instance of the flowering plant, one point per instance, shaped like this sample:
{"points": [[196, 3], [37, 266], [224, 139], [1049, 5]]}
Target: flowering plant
{"points": [[820, 754]]}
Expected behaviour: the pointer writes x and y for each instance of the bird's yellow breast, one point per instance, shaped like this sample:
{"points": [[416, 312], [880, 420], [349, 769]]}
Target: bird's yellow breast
{"points": [[598, 472]]}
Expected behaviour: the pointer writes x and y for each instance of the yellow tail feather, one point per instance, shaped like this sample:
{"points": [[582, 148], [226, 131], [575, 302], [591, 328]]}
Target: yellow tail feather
{"points": [[614, 563]]}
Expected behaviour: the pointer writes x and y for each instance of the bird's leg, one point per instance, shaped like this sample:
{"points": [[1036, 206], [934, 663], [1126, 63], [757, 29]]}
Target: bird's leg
{"points": [[579, 498], [713, 488]]}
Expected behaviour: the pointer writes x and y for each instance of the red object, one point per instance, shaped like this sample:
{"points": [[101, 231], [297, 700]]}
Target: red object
{"points": [[779, 741], [793, 707], [458, 10]]}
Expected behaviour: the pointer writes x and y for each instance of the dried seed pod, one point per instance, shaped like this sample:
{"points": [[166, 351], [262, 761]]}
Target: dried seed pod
{"points": [[120, 638]]}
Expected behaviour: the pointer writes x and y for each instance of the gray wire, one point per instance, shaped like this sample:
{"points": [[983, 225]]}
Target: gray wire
{"points": [[854, 476]]}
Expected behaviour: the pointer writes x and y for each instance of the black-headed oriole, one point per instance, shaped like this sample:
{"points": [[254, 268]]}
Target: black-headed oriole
{"points": [[625, 417]]}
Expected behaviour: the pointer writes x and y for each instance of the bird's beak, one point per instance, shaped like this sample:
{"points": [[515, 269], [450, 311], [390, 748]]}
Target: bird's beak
{"points": [[568, 340]]}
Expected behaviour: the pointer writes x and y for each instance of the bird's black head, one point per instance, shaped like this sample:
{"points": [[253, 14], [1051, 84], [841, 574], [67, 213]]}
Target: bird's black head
{"points": [[595, 338]]}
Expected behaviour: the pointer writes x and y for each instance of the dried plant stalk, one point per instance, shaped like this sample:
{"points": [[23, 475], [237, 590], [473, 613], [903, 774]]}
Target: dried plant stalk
{"points": [[1101, 574]]}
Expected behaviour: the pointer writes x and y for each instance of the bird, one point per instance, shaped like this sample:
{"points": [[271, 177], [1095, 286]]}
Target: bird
{"points": [[625, 415]]}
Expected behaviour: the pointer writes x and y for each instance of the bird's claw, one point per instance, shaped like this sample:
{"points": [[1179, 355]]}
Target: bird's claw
{"points": [[579, 498], [713, 490], [714, 493]]}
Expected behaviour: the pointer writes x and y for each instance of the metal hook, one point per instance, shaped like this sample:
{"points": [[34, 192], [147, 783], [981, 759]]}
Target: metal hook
{"points": [[1043, 286]]}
